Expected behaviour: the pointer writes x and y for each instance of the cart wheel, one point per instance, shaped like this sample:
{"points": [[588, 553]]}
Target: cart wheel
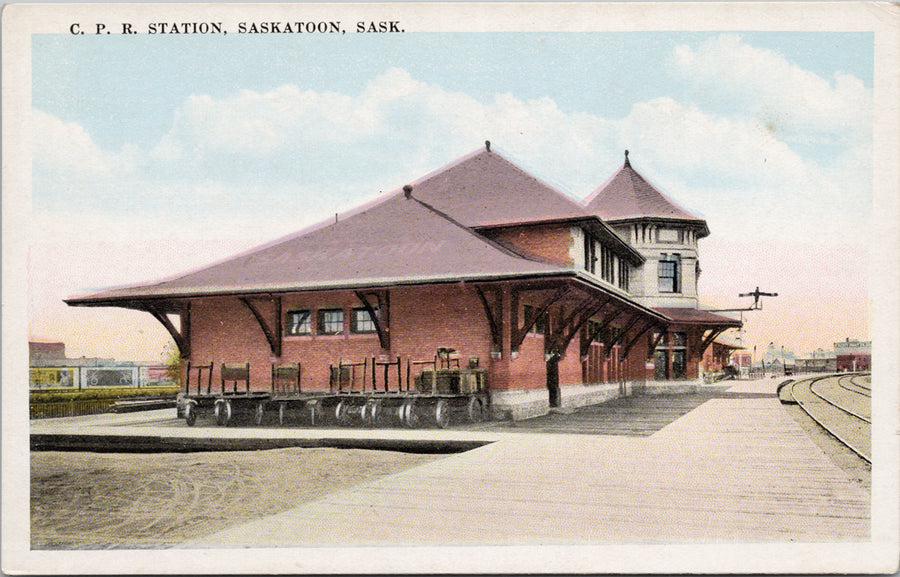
{"points": [[342, 412], [410, 416], [370, 411], [260, 413], [475, 410], [190, 414], [441, 414], [281, 413], [223, 413]]}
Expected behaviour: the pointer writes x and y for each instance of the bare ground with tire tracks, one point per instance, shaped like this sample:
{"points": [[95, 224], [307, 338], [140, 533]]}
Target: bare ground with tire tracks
{"points": [[92, 500]]}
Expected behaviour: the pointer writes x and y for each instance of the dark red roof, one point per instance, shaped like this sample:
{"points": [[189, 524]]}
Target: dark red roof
{"points": [[696, 316], [628, 195], [485, 189], [398, 240], [425, 236]]}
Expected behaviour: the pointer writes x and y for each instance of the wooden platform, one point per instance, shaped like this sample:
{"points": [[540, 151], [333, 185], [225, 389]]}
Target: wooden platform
{"points": [[734, 468]]}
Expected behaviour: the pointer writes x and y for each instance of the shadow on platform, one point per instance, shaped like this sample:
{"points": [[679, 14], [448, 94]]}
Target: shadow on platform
{"points": [[633, 416]]}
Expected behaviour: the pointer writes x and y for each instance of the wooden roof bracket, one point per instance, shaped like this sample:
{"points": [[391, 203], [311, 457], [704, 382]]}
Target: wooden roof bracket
{"points": [[575, 321], [713, 333], [271, 331], [529, 320], [655, 342], [493, 316], [586, 343], [641, 333], [182, 338], [381, 321], [622, 333]]}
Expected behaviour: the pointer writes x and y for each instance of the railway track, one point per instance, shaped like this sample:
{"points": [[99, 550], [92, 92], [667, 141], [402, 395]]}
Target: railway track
{"points": [[858, 384], [840, 404]]}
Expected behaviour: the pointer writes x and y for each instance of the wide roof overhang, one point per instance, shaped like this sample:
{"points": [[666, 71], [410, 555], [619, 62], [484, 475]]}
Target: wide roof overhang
{"points": [[173, 299], [698, 224], [694, 316]]}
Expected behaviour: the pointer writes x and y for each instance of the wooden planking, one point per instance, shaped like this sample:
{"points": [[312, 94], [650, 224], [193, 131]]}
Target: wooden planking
{"points": [[733, 469]]}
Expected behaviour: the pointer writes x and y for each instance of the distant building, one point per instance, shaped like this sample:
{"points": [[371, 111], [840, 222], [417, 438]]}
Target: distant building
{"points": [[816, 365], [46, 351], [818, 361], [719, 355], [741, 359], [49, 368], [853, 355]]}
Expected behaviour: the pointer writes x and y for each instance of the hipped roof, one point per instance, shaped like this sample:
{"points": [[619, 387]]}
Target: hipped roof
{"points": [[627, 195], [398, 240], [484, 189], [425, 235]]}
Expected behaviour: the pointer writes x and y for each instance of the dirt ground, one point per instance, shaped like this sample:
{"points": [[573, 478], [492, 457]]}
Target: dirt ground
{"points": [[102, 500]]}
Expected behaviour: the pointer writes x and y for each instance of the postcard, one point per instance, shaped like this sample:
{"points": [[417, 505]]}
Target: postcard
{"points": [[467, 287]]}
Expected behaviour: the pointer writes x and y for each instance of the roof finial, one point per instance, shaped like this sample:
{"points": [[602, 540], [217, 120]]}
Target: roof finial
{"points": [[627, 162], [487, 145], [407, 190]]}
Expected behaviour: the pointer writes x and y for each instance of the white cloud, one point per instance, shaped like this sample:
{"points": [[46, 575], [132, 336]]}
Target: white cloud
{"points": [[65, 148], [289, 147], [783, 96]]}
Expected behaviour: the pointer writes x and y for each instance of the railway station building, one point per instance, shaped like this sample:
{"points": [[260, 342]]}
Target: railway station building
{"points": [[478, 265]]}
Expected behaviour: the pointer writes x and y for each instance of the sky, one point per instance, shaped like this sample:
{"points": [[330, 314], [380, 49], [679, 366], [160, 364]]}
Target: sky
{"points": [[154, 155]]}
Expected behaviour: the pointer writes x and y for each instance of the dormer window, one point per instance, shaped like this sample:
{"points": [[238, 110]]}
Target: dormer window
{"points": [[669, 272]]}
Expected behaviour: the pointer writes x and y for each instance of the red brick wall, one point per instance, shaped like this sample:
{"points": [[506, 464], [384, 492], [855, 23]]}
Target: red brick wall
{"points": [[223, 329], [551, 242], [529, 370], [422, 319], [425, 318]]}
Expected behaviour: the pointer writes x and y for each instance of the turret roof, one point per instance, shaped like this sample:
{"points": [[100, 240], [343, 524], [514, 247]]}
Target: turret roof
{"points": [[627, 195]]}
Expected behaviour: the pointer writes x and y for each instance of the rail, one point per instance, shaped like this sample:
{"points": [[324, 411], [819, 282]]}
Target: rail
{"points": [[850, 428]]}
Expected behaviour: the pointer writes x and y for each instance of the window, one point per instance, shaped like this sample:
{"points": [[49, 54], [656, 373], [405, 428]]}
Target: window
{"points": [[670, 359], [331, 322], [607, 264], [670, 274], [660, 364], [362, 321], [590, 253], [623, 274], [298, 323], [678, 364], [540, 325]]}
